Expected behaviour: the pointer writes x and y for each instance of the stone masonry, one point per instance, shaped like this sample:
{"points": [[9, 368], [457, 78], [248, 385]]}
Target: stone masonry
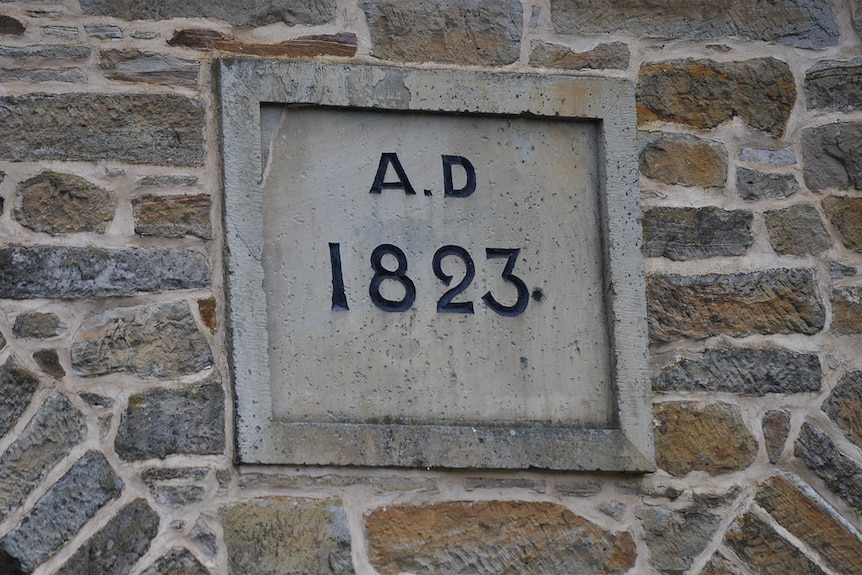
{"points": [[116, 397]]}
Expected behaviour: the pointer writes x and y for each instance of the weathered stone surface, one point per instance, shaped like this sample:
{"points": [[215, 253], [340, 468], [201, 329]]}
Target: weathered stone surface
{"points": [[103, 31], [780, 157], [471, 483], [11, 26], [166, 181], [156, 340], [479, 32], [178, 495], [57, 203], [676, 538], [844, 406], [802, 23], [172, 216], [60, 31], [754, 185], [837, 270], [341, 44], [764, 550], [136, 66], [765, 302], [776, 428], [156, 475], [177, 560], [116, 547], [202, 536], [746, 371], [718, 565], [684, 159], [286, 535], [796, 231], [847, 310], [702, 436], [834, 85], [514, 537], [833, 156], [207, 309], [578, 489], [691, 233], [54, 430], [17, 386], [838, 471], [611, 55], [291, 12], [71, 272], [36, 325], [380, 484], [164, 422], [63, 510], [49, 362], [2, 341], [799, 510], [846, 215], [45, 52], [42, 75], [136, 128], [705, 93]]}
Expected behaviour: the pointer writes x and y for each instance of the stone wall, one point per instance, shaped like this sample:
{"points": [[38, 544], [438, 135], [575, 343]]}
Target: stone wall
{"points": [[115, 397]]}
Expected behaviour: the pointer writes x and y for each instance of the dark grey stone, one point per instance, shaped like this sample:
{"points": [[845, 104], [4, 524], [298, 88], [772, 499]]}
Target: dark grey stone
{"points": [[63, 510], [838, 471], [103, 31], [2, 341], [116, 548], [166, 181], [157, 474], [60, 31], [690, 233], [835, 85], [46, 52], [97, 400], [69, 75], [754, 185], [49, 362], [137, 66], [204, 538], [73, 272], [837, 270], [35, 325], [676, 538], [178, 495], [177, 560], [797, 231], [238, 12], [844, 406], [136, 128], [164, 422], [776, 428], [833, 156], [17, 386], [745, 371]]}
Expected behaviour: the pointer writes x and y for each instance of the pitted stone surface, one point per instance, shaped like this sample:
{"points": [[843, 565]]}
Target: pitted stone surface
{"points": [[847, 310], [684, 159], [776, 429], [17, 386], [676, 538], [45, 52], [261, 13], [778, 157], [754, 185], [57, 204], [156, 340], [177, 560], [797, 231], [137, 66], [764, 550], [36, 325], [834, 85], [691, 233], [611, 55], [844, 406], [846, 215], [839, 472], [832, 156], [172, 216]]}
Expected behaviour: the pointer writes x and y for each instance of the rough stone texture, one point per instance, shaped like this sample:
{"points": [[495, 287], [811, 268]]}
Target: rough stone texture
{"points": [[513, 537], [776, 428], [611, 55], [705, 94], [676, 538], [60, 31], [136, 128], [780, 157], [286, 535], [471, 483], [2, 342], [172, 216], [754, 185], [103, 31], [702, 436], [291, 12], [115, 548], [834, 85], [797, 231], [802, 23], [17, 386], [164, 422], [764, 550], [846, 215], [342, 44], [166, 181], [63, 510], [718, 565], [302, 482], [746, 371], [155, 340], [207, 309], [837, 270], [37, 75], [478, 32], [35, 325], [579, 489], [691, 233], [765, 302], [684, 159], [55, 429], [806, 516], [178, 495], [57, 204], [832, 156], [844, 406], [136, 66], [11, 26], [847, 310], [49, 362], [202, 536], [156, 475], [839, 472], [45, 52], [177, 560], [72, 272]]}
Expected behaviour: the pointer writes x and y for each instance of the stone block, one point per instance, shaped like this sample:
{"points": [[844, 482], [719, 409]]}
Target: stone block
{"points": [[765, 302], [202, 536], [209, 313], [163, 422], [833, 156], [837, 270], [166, 181], [17, 386], [690, 233], [286, 535], [702, 436], [676, 538], [684, 159], [610, 55], [341, 44], [754, 185], [834, 85], [36, 325], [764, 551], [778, 157], [797, 231], [178, 495], [847, 310], [844, 406], [45, 52], [839, 472], [172, 216], [705, 94], [137, 128], [237, 12], [465, 537], [56, 204], [103, 31], [69, 75], [747, 371], [177, 560], [846, 215], [49, 362], [776, 429], [718, 565], [136, 66], [475, 32]]}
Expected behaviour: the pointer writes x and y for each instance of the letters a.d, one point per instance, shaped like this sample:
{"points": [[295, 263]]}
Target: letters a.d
{"points": [[388, 159]]}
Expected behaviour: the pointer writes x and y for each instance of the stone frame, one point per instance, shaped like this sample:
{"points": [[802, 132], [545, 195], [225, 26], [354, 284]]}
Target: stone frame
{"points": [[245, 84]]}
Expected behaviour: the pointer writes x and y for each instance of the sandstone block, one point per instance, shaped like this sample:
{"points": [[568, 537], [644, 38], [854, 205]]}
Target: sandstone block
{"points": [[839, 472], [685, 160], [833, 156], [765, 302], [846, 215], [776, 428], [718, 565], [610, 55], [69, 75], [847, 310], [691, 233], [464, 537], [177, 560], [702, 436], [291, 12], [764, 550], [49, 362], [17, 386], [166, 181], [341, 44], [754, 185], [796, 231], [477, 32], [844, 406], [35, 325], [136, 66], [676, 538], [834, 85], [286, 535], [57, 204], [705, 93], [172, 216], [209, 316]]}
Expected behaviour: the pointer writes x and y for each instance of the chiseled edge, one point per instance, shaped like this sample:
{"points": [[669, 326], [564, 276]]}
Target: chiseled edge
{"points": [[244, 84]]}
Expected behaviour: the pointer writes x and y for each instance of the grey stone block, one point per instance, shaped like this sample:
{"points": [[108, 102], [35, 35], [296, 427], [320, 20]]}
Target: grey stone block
{"points": [[17, 386], [690, 233], [259, 13], [833, 156]]}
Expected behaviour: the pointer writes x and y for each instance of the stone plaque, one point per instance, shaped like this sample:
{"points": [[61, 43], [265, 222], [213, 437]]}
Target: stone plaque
{"points": [[433, 268]]}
